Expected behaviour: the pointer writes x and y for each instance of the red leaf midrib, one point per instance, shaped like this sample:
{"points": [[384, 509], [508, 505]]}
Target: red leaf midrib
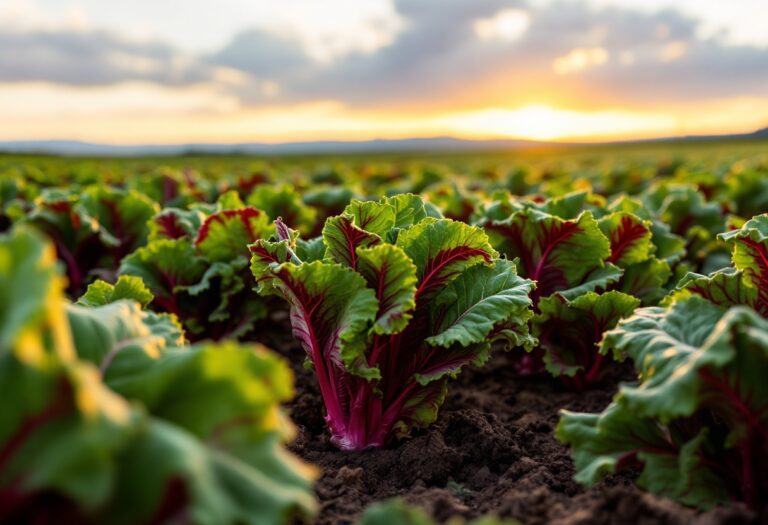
{"points": [[627, 233], [455, 254], [568, 230]]}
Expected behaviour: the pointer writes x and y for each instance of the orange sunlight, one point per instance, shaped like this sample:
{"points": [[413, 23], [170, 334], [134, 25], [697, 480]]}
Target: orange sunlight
{"points": [[149, 113]]}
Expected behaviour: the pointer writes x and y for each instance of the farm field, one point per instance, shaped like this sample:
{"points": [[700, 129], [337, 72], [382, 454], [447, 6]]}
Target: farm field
{"points": [[571, 335]]}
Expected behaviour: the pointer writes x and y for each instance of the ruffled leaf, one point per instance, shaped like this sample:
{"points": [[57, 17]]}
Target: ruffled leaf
{"points": [[130, 287], [441, 250], [724, 288], [683, 208], [750, 256], [607, 442], [165, 266], [702, 394], [366, 324], [342, 239], [668, 246], [311, 250], [226, 235], [601, 278], [173, 223], [330, 309], [662, 342], [123, 213], [285, 202], [231, 312], [376, 217], [389, 215], [391, 274], [646, 280], [410, 209], [421, 409], [470, 307], [100, 334], [110, 461], [630, 238], [571, 205], [556, 253], [570, 331]]}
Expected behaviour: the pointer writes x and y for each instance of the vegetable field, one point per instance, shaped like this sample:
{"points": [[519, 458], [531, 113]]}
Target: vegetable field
{"points": [[573, 335]]}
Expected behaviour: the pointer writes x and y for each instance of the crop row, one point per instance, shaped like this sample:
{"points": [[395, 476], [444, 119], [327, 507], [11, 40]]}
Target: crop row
{"points": [[150, 398]]}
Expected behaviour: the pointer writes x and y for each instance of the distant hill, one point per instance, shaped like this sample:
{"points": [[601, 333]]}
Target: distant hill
{"points": [[436, 144], [759, 134], [412, 145]]}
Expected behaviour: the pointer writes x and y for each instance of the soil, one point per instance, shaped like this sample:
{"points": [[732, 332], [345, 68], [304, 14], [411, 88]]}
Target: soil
{"points": [[492, 450]]}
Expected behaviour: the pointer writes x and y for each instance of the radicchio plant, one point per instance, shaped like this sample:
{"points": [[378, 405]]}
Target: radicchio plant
{"points": [[196, 267], [92, 229], [107, 417], [746, 283], [693, 217], [576, 243], [572, 255], [570, 332], [399, 304], [283, 201], [696, 424]]}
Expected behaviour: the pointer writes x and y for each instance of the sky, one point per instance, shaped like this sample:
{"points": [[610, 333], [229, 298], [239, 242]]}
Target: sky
{"points": [[156, 71]]}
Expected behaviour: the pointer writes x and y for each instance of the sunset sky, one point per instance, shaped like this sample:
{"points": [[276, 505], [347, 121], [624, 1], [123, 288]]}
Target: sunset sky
{"points": [[151, 71]]}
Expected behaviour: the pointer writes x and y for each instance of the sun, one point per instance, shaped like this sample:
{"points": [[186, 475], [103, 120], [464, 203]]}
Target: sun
{"points": [[542, 122], [539, 122]]}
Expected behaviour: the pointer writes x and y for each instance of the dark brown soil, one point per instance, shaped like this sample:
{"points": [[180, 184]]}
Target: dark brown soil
{"points": [[492, 450]]}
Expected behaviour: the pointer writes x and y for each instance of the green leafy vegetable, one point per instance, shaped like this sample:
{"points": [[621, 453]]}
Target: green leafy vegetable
{"points": [[101, 292], [697, 422], [106, 422], [201, 275], [400, 303]]}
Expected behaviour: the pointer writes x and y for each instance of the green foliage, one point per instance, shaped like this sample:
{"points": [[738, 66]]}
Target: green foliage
{"points": [[569, 332], [399, 304], [106, 414], [283, 202], [172, 235], [746, 283], [589, 273], [92, 229], [101, 292], [697, 420], [196, 267]]}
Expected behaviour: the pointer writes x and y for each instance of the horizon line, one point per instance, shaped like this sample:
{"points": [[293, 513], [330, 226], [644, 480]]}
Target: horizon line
{"points": [[70, 147]]}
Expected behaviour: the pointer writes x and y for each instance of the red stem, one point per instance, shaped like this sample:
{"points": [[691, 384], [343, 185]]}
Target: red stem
{"points": [[73, 271]]}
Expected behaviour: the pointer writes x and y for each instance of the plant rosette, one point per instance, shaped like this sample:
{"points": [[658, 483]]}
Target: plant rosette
{"points": [[397, 304]]}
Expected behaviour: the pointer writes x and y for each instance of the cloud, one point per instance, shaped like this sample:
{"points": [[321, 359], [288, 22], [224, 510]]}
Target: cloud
{"points": [[684, 71], [566, 51], [437, 50], [88, 58], [262, 54], [654, 57], [444, 54]]}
